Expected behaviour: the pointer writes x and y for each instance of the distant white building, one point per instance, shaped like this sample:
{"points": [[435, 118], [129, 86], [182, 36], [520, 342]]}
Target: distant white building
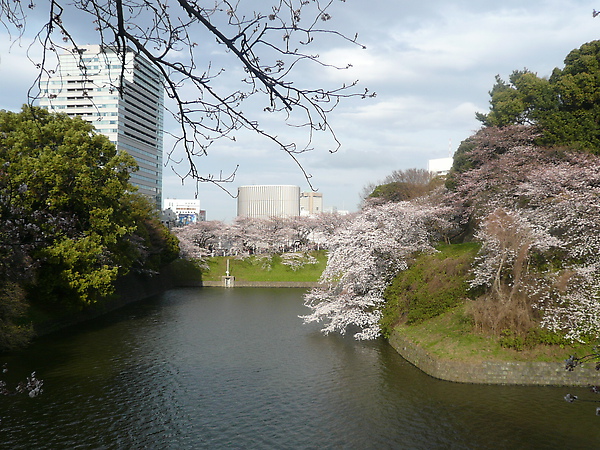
{"points": [[335, 210], [266, 201], [440, 166], [185, 211], [311, 203]]}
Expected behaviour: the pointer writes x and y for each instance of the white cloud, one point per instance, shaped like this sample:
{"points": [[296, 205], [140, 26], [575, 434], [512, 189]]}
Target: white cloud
{"points": [[431, 64]]}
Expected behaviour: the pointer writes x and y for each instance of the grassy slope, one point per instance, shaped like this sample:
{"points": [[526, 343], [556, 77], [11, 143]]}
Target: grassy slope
{"points": [[427, 304], [451, 336], [256, 269]]}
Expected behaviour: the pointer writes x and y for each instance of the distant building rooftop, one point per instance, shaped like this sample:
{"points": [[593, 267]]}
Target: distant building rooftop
{"points": [[440, 166]]}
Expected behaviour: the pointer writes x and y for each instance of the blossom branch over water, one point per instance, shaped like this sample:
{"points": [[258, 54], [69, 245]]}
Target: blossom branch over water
{"points": [[364, 256]]}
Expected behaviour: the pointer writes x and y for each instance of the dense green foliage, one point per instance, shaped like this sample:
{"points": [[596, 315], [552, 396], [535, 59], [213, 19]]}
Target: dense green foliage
{"points": [[184, 272], [433, 284], [72, 223], [13, 333], [565, 107], [70, 183]]}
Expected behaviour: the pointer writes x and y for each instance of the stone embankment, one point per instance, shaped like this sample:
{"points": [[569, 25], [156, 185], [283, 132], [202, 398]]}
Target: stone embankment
{"points": [[494, 372]]}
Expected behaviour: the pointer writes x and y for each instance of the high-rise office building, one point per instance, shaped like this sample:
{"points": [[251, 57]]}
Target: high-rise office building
{"points": [[123, 99]]}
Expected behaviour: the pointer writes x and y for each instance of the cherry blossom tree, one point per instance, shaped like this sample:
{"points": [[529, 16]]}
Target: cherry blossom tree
{"points": [[275, 235], [566, 198], [503, 267], [326, 225], [302, 230], [245, 235], [363, 258], [545, 245], [197, 240], [489, 166]]}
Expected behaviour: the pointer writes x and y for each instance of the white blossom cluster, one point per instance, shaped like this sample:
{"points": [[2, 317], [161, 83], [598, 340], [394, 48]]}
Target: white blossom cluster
{"points": [[297, 260], [256, 236], [32, 386], [363, 258]]}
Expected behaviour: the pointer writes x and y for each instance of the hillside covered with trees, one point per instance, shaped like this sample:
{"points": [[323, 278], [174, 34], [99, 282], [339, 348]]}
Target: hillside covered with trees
{"points": [[523, 201]]}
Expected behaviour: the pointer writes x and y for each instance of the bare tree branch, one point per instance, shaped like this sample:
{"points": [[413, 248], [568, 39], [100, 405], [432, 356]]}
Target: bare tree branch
{"points": [[193, 46]]}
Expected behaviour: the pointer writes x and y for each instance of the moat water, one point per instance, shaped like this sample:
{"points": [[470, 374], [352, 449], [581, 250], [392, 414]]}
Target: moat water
{"points": [[235, 368]]}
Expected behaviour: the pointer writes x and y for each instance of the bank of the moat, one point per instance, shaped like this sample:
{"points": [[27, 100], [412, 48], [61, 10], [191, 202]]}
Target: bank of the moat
{"points": [[232, 282], [493, 372]]}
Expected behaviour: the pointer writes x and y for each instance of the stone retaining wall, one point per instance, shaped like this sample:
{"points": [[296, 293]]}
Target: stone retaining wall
{"points": [[494, 372]]}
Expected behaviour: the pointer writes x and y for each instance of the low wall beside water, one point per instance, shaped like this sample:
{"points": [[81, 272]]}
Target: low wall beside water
{"points": [[264, 284], [494, 372]]}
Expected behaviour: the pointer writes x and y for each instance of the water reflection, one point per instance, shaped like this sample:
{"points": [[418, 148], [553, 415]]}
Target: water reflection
{"points": [[215, 368]]}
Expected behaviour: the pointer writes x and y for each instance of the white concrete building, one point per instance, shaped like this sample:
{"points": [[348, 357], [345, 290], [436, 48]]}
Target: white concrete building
{"points": [[311, 203], [266, 201], [440, 166], [185, 210], [87, 85]]}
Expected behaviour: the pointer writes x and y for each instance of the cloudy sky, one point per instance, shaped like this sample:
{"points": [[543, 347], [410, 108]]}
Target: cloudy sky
{"points": [[431, 64]]}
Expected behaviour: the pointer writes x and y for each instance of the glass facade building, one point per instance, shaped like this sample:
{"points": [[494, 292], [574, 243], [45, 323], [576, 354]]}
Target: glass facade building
{"points": [[122, 98]]}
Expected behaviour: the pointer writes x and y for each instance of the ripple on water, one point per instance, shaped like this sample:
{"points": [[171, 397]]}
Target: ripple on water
{"points": [[212, 368]]}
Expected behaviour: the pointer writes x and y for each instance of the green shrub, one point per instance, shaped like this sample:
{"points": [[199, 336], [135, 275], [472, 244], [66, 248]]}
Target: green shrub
{"points": [[533, 338], [510, 339], [432, 285]]}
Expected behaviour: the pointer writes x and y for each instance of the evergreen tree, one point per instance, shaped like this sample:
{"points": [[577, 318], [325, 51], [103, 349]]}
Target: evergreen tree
{"points": [[565, 106], [72, 223]]}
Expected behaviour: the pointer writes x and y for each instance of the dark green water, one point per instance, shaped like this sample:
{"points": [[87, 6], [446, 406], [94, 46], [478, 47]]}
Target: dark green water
{"points": [[235, 368]]}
